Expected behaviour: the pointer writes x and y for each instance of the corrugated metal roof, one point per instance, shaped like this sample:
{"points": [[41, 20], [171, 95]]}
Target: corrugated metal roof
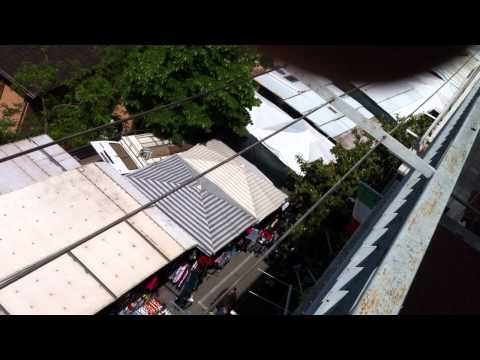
{"points": [[201, 208], [37, 166], [301, 98], [239, 179], [45, 217]]}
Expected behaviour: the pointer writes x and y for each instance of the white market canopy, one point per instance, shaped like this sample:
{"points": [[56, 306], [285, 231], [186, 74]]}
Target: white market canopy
{"points": [[45, 217], [302, 98], [399, 98], [299, 139], [31, 168]]}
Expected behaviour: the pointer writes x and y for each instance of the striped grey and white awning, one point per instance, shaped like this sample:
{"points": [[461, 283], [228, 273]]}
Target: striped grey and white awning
{"points": [[239, 179], [200, 208]]}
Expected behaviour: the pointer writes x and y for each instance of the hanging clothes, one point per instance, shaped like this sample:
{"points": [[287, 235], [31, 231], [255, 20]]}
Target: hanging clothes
{"points": [[183, 279], [152, 284], [194, 266], [252, 234], [267, 235], [223, 259], [206, 261], [179, 274], [175, 276]]}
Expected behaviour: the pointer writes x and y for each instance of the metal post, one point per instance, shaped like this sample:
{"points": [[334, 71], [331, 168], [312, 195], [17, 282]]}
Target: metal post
{"points": [[274, 278], [287, 303], [327, 235], [266, 300], [299, 282], [393, 145]]}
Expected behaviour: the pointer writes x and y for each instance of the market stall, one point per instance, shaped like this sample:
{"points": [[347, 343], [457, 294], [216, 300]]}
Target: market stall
{"points": [[148, 304]]}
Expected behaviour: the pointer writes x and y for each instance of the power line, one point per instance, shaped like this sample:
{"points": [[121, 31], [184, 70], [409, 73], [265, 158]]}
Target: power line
{"points": [[329, 192], [173, 104], [431, 96], [27, 270]]}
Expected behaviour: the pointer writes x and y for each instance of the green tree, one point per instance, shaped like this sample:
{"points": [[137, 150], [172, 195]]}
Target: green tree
{"points": [[377, 170], [162, 74], [6, 135], [142, 77]]}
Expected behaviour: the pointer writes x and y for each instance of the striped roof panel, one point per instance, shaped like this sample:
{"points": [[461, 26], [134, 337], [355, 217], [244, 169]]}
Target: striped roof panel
{"points": [[212, 219]]}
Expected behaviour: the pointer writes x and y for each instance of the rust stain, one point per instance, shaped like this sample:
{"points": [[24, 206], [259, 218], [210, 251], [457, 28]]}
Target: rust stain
{"points": [[412, 222], [396, 296], [374, 303], [453, 160], [427, 209], [369, 302]]}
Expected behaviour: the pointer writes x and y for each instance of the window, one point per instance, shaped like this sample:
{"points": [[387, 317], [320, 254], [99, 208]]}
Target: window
{"points": [[291, 78], [146, 154], [434, 113], [332, 110], [280, 71]]}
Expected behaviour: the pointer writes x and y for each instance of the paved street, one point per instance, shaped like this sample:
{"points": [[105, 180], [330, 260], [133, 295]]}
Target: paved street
{"points": [[215, 285]]}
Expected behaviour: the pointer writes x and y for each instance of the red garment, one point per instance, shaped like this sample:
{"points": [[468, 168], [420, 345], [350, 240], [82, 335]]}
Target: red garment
{"points": [[152, 284], [249, 230], [267, 235], [205, 261]]}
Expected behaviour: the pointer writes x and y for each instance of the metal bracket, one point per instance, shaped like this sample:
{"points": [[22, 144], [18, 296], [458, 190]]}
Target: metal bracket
{"points": [[393, 145], [376, 131], [408, 156]]}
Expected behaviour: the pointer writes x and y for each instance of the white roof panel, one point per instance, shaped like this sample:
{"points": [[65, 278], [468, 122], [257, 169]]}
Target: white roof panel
{"points": [[290, 79], [308, 79], [278, 86], [169, 226], [120, 258], [13, 176], [45, 217], [329, 119], [325, 115], [298, 139], [305, 101], [31, 169], [338, 127], [64, 159], [163, 242], [37, 166], [42, 218], [62, 287], [239, 179]]}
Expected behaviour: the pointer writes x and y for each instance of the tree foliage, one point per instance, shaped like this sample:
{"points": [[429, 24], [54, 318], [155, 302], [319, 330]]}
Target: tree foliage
{"points": [[160, 75], [143, 77], [6, 135], [377, 170]]}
